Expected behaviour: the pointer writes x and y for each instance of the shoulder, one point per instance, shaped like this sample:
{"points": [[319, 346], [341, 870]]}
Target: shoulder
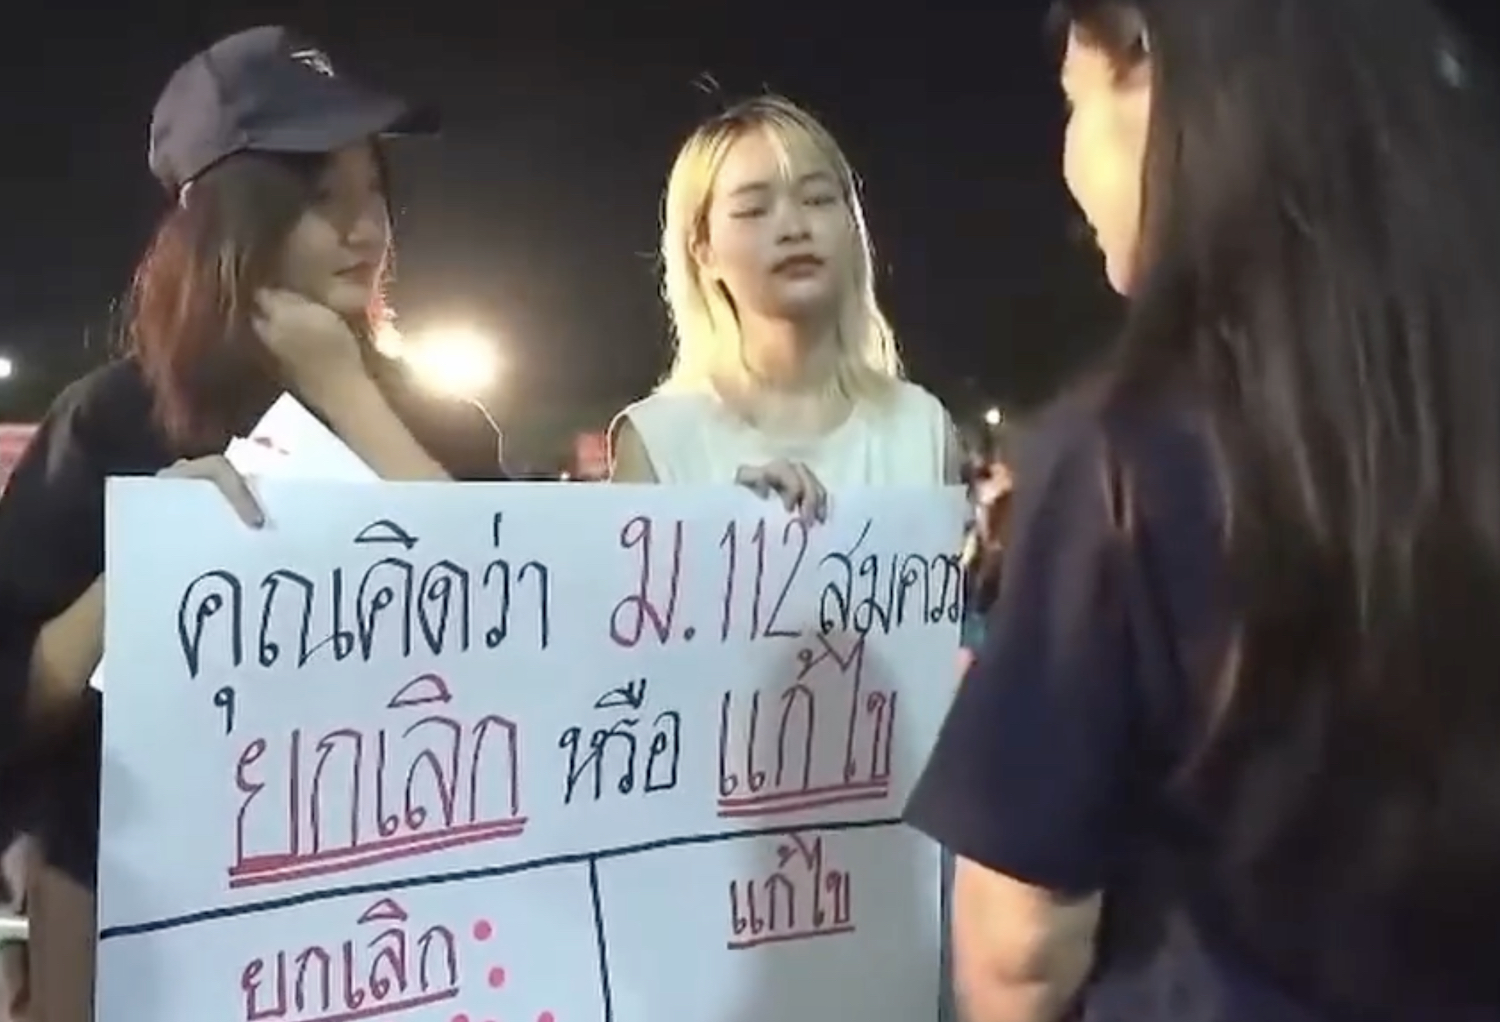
{"points": [[51, 515], [1153, 452], [675, 435], [1067, 436], [1093, 443], [107, 415], [663, 431], [914, 401], [115, 390], [1130, 483], [665, 409], [914, 429], [912, 414]]}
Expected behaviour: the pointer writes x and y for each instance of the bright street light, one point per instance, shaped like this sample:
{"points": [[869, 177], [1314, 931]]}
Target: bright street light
{"points": [[993, 417], [454, 361], [7, 368], [459, 363]]}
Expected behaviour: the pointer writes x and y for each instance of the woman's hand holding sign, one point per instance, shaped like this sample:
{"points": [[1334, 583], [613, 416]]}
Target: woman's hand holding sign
{"points": [[792, 481]]}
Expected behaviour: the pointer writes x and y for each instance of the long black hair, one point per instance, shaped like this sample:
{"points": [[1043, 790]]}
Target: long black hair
{"points": [[1320, 264]]}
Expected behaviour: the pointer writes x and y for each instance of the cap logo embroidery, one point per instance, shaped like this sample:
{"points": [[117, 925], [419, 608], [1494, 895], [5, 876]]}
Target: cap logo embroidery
{"points": [[315, 59]]}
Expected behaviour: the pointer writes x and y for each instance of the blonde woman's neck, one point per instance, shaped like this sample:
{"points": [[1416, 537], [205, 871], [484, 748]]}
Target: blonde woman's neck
{"points": [[793, 358], [788, 385]]}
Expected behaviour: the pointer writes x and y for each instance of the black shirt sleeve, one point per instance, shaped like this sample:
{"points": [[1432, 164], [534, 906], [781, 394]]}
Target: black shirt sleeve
{"points": [[46, 562], [1028, 774], [51, 550], [50, 546]]}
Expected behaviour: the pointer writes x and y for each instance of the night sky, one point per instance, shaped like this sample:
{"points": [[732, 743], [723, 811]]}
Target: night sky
{"points": [[535, 215]]}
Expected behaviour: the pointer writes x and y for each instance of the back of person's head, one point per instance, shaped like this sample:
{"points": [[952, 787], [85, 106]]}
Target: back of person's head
{"points": [[718, 259], [1318, 258]]}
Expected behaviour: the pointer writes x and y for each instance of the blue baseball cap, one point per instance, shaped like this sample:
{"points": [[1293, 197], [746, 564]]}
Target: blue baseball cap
{"points": [[266, 90]]}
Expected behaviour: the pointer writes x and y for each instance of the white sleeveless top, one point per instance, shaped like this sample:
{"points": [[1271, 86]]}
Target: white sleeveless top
{"points": [[692, 437]]}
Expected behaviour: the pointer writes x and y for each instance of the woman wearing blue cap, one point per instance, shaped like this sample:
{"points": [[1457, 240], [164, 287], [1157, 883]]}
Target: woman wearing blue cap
{"points": [[264, 277]]}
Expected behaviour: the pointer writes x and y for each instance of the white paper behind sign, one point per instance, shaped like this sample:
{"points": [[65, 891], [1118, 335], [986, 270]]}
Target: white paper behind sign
{"points": [[291, 441], [522, 752]]}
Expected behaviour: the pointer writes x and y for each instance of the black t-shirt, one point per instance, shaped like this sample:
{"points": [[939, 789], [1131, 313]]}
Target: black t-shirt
{"points": [[1055, 764], [52, 549]]}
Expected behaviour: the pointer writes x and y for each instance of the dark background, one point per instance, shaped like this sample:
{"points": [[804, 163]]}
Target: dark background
{"points": [[535, 216]]}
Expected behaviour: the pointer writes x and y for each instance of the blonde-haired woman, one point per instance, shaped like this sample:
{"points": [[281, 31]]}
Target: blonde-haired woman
{"points": [[786, 377]]}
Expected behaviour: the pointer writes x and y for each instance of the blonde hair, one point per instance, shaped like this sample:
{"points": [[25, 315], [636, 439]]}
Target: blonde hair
{"points": [[706, 328]]}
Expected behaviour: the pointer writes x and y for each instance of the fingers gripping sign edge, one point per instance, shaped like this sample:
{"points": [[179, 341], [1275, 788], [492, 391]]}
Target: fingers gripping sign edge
{"points": [[216, 469]]}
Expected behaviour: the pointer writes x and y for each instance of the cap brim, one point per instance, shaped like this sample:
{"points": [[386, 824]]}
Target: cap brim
{"points": [[419, 120], [347, 116]]}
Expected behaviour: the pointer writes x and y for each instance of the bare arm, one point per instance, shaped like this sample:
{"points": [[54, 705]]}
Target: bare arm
{"points": [[1020, 953], [364, 420], [628, 460], [64, 655]]}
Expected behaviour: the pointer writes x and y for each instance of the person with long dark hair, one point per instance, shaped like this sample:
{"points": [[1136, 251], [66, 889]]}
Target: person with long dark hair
{"points": [[1230, 750], [265, 276]]}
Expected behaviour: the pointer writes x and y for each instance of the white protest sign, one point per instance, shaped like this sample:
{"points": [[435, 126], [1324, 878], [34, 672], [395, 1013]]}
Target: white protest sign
{"points": [[521, 753], [289, 442]]}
